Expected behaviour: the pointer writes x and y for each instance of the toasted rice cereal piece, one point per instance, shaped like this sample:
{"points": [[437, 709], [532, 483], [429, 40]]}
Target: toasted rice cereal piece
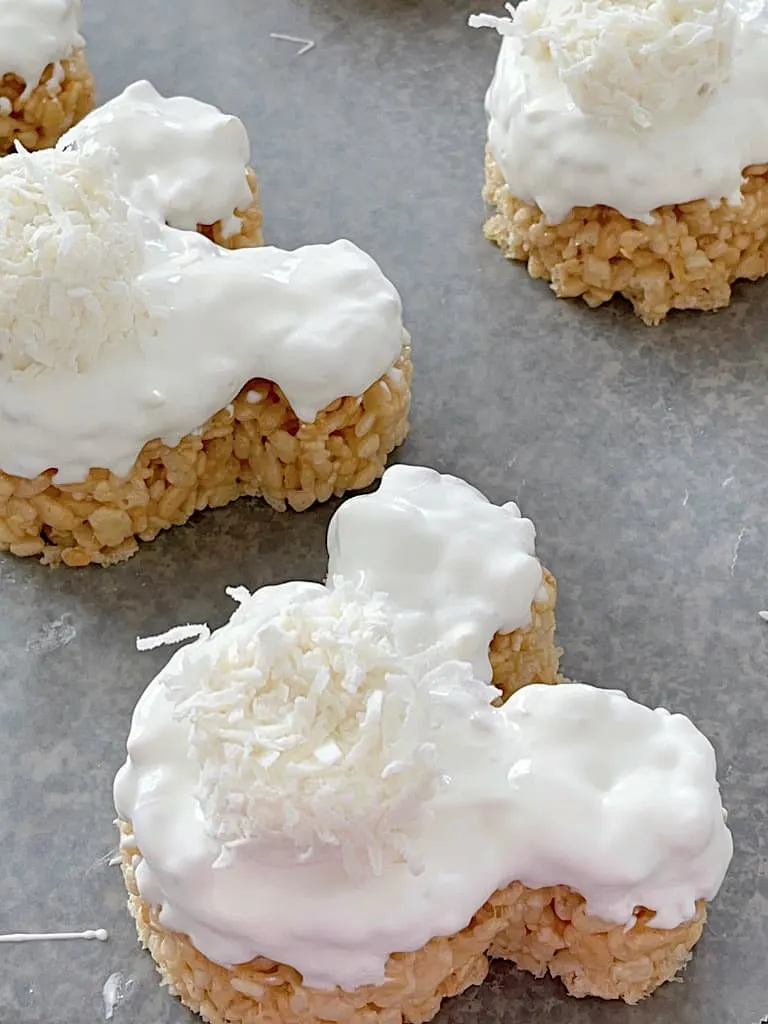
{"points": [[687, 259], [50, 110], [249, 234], [528, 655], [539, 929], [549, 931], [256, 446]]}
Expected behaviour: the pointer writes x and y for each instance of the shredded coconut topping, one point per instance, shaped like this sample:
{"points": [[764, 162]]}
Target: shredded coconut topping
{"points": [[311, 727], [627, 61], [70, 252]]}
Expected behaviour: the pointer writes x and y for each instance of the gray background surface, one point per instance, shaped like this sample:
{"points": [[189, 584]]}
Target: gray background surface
{"points": [[639, 453]]}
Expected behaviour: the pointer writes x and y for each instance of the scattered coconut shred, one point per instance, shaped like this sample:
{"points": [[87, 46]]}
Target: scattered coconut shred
{"points": [[70, 251], [627, 61], [310, 726]]}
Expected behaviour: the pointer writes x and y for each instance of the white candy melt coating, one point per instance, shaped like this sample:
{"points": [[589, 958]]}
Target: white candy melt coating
{"points": [[563, 785], [36, 33], [467, 568], [322, 322], [72, 250], [628, 61], [623, 801], [184, 158], [698, 87]]}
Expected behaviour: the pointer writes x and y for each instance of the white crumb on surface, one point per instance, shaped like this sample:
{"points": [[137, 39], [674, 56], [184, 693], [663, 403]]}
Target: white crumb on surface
{"points": [[305, 44], [115, 989]]}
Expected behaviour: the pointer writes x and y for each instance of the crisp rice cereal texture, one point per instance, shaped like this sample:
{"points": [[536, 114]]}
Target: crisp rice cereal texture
{"points": [[256, 446], [528, 655], [540, 930], [249, 234], [39, 120], [687, 259]]}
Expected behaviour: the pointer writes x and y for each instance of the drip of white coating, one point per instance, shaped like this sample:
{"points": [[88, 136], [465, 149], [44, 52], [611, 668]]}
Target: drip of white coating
{"points": [[180, 158], [564, 130], [562, 785], [99, 934], [308, 726], [627, 61], [71, 250], [465, 567], [115, 989], [36, 33]]}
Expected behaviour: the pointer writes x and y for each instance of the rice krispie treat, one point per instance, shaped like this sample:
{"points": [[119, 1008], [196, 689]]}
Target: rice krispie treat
{"points": [[193, 157], [156, 373], [45, 83], [324, 818], [626, 152]]}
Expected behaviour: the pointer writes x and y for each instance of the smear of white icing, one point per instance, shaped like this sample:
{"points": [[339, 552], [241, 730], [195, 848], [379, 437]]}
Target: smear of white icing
{"points": [[53, 635], [115, 989]]}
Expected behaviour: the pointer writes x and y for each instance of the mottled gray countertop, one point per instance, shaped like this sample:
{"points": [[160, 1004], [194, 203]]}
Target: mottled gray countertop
{"points": [[641, 454]]}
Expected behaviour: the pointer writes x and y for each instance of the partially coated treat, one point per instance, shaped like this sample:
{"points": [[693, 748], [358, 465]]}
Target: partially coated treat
{"points": [[186, 364], [542, 931], [37, 119], [687, 258], [626, 150], [256, 447], [328, 814], [46, 86], [250, 219]]}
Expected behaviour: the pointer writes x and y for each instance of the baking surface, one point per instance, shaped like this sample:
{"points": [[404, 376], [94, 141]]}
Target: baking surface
{"points": [[641, 455]]}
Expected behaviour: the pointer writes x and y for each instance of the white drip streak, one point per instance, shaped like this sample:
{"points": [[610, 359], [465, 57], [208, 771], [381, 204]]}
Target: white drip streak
{"points": [[99, 933]]}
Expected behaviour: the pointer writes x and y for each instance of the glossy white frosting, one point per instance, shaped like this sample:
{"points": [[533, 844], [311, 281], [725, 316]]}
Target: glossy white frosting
{"points": [[555, 153], [465, 567], [562, 785], [193, 156], [36, 33], [184, 323]]}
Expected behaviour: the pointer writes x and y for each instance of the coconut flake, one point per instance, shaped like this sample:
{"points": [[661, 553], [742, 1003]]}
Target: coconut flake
{"points": [[176, 635], [627, 61], [70, 252], [314, 729]]}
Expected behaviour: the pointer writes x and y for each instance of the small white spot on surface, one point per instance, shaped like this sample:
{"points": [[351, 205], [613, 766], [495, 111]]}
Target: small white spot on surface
{"points": [[115, 990]]}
